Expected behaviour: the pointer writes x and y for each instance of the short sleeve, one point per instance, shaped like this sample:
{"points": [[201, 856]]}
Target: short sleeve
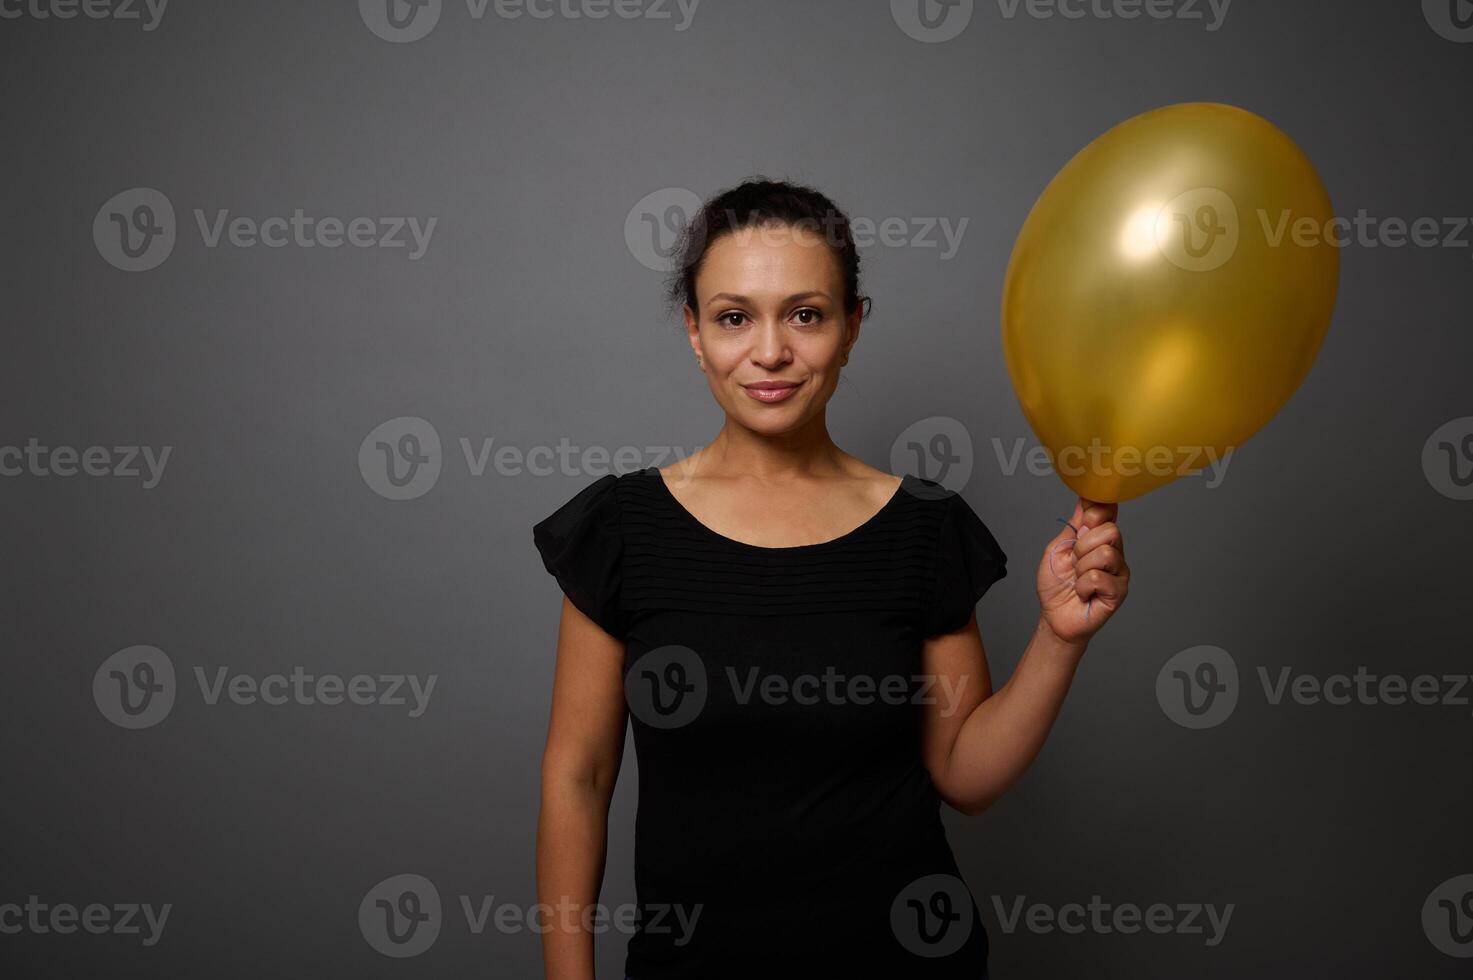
{"points": [[968, 561], [581, 546]]}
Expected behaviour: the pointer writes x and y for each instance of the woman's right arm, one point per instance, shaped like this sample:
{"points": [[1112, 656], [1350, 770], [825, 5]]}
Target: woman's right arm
{"points": [[580, 764]]}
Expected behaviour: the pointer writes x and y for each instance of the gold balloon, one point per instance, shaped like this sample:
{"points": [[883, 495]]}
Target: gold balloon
{"points": [[1167, 294]]}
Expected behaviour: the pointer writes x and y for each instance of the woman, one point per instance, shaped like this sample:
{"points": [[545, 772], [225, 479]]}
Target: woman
{"points": [[792, 635]]}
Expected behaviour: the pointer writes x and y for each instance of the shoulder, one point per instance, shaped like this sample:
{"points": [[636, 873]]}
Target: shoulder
{"points": [[963, 531], [959, 530], [599, 492], [867, 487], [585, 531], [967, 560], [932, 494], [581, 544], [596, 504], [882, 485]]}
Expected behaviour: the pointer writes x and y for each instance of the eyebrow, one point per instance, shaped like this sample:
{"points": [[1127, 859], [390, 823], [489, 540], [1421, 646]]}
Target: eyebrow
{"points": [[735, 298]]}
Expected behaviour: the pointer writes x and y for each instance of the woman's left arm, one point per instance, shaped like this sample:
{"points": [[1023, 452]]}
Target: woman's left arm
{"points": [[977, 743]]}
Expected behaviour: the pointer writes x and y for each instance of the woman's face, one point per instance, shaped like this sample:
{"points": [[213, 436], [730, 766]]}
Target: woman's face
{"points": [[771, 330]]}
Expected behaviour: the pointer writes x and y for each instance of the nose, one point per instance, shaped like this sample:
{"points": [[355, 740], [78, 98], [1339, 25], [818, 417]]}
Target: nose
{"points": [[770, 345]]}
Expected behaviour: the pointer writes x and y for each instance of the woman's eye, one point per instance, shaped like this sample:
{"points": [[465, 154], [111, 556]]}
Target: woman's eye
{"points": [[806, 317]]}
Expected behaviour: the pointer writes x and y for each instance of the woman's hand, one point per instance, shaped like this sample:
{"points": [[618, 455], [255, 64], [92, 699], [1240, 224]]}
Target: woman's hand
{"points": [[1083, 578]]}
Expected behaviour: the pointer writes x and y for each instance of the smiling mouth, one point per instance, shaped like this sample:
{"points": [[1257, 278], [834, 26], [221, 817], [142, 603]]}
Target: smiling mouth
{"points": [[771, 391]]}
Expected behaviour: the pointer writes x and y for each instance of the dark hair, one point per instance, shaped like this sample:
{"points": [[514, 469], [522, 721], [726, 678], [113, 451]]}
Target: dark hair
{"points": [[759, 201]]}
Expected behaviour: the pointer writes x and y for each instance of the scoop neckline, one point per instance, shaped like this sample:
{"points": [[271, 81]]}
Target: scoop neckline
{"points": [[689, 518]]}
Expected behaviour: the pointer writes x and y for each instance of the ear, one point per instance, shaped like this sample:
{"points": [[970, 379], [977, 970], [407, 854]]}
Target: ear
{"points": [[851, 328], [692, 329]]}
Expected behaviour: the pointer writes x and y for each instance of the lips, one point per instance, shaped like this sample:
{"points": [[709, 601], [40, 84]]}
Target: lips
{"points": [[770, 391]]}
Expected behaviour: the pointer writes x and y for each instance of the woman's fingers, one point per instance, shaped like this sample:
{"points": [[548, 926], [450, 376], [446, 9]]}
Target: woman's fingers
{"points": [[1099, 584], [1106, 558], [1090, 514], [1091, 551], [1077, 517], [1100, 570], [1107, 533]]}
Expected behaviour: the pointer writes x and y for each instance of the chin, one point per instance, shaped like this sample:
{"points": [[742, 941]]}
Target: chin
{"points": [[772, 421]]}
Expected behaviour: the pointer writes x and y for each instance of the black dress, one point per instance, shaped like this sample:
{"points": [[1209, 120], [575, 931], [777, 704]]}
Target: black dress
{"points": [[786, 825]]}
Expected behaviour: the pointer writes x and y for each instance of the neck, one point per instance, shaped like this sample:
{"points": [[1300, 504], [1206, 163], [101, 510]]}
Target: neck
{"points": [[805, 452]]}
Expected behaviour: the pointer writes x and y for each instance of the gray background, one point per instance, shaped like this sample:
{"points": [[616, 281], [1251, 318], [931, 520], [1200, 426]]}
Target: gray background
{"points": [[530, 320]]}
